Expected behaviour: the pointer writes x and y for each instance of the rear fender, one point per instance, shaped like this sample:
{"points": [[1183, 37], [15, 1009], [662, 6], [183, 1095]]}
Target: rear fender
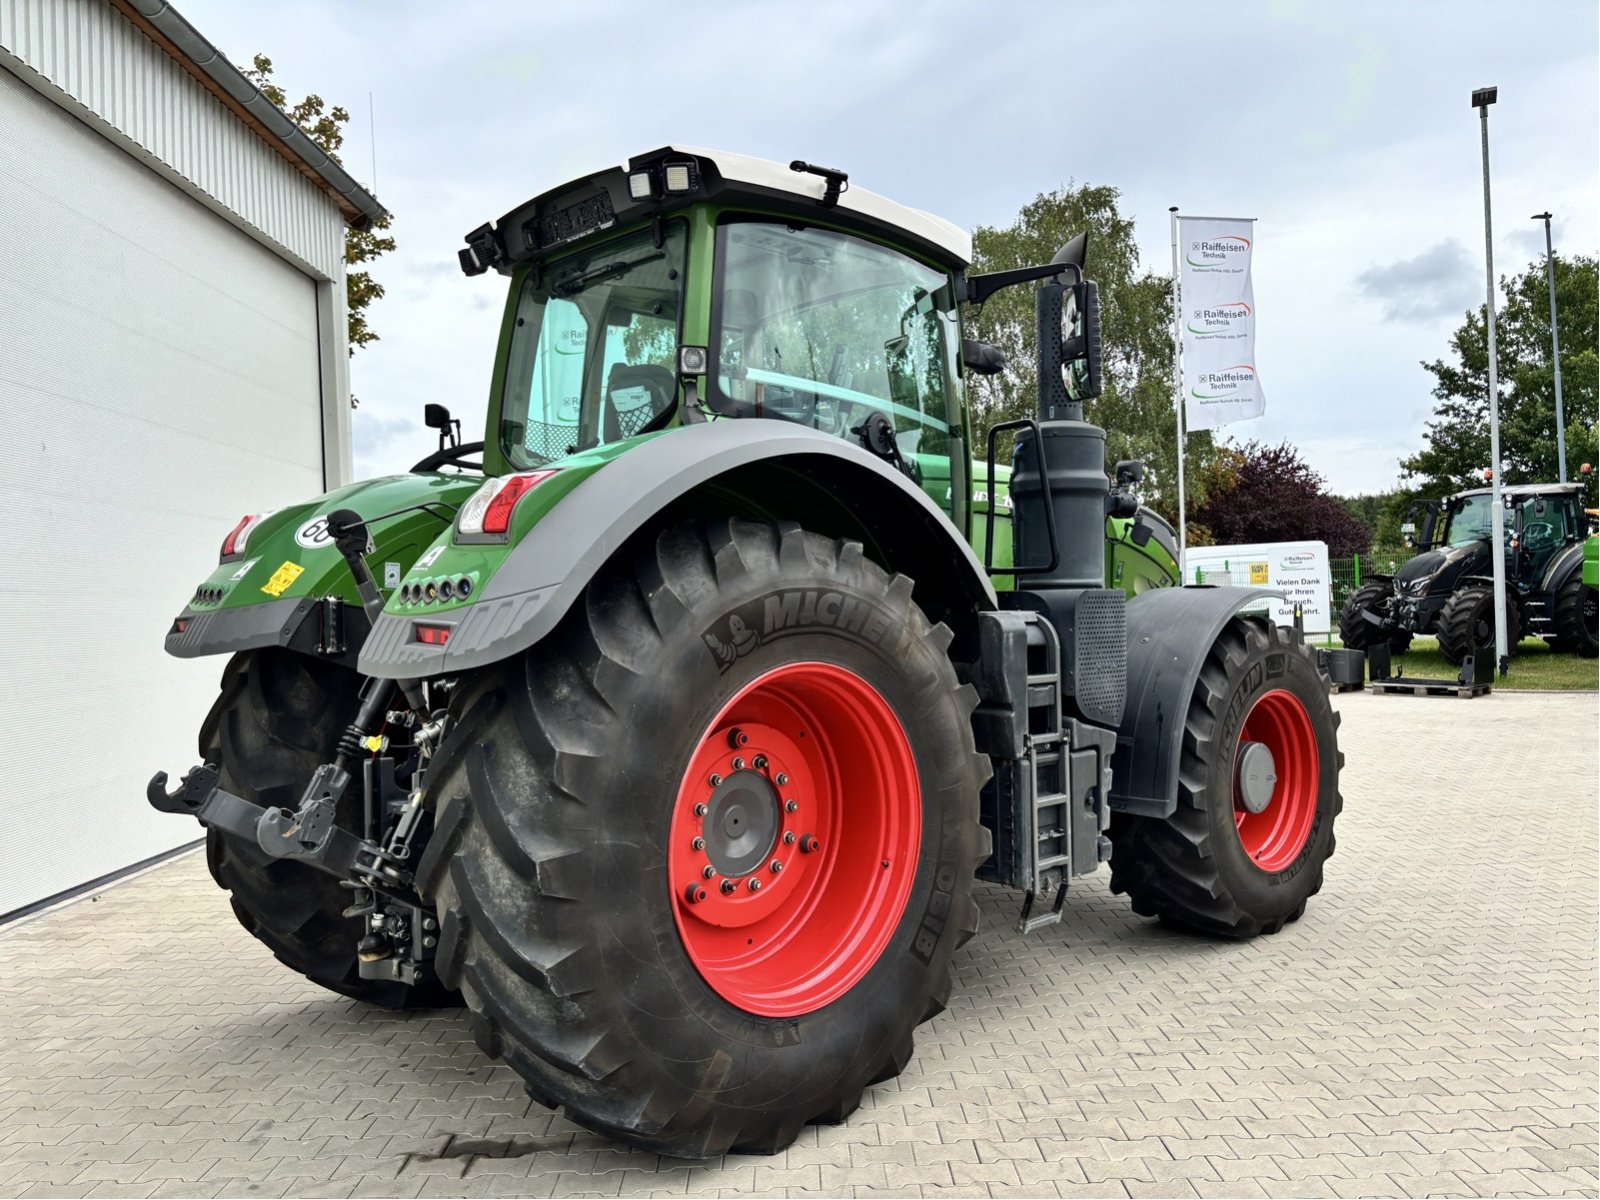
{"points": [[753, 467], [1170, 633], [1566, 563]]}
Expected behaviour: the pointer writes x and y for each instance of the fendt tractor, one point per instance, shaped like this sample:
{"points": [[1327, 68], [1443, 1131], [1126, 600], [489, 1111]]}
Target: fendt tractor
{"points": [[1447, 589], [673, 743]]}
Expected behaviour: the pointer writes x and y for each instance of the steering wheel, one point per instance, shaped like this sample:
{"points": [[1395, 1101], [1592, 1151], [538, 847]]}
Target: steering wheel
{"points": [[451, 456], [1538, 533]]}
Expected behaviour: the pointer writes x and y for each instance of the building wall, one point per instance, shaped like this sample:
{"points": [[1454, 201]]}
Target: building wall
{"points": [[91, 60]]}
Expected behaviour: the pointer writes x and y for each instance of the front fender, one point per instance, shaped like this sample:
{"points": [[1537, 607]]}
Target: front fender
{"points": [[1170, 633], [543, 573]]}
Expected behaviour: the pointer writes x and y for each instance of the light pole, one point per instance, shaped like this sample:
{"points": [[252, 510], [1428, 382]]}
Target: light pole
{"points": [[1482, 98], [1555, 348]]}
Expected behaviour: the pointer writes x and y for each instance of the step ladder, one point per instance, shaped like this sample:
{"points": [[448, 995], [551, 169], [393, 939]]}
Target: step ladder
{"points": [[1049, 836]]}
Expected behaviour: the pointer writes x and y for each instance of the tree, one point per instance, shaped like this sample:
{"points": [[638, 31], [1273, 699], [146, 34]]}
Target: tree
{"points": [[1458, 435], [1136, 407], [324, 125], [1277, 497]]}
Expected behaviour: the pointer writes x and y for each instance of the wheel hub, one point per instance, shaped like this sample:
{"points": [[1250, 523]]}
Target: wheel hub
{"points": [[741, 824], [1256, 776]]}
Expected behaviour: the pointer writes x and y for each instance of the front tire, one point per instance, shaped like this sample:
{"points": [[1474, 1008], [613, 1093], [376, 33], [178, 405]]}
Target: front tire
{"points": [[1466, 625], [1215, 865], [277, 720], [588, 787]]}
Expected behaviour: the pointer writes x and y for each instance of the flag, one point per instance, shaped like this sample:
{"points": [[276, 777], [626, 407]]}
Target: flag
{"points": [[1217, 307]]}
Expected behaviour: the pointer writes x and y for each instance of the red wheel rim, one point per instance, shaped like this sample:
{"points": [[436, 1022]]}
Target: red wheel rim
{"points": [[813, 756], [1274, 837]]}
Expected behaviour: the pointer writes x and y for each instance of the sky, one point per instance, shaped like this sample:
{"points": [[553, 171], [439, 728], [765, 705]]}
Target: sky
{"points": [[1345, 129]]}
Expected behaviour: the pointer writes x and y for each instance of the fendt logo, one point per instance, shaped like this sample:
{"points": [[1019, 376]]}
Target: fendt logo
{"points": [[790, 612], [1217, 320], [1218, 253], [1225, 384]]}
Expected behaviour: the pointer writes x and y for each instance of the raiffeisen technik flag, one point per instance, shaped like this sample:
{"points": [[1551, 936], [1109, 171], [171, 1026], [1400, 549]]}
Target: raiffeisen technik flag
{"points": [[1219, 322]]}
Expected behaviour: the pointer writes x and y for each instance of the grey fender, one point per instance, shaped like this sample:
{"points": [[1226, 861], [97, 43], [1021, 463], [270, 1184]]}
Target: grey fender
{"points": [[1562, 567], [1170, 633], [749, 467]]}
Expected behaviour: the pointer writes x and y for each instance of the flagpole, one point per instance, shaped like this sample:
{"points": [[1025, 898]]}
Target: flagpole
{"points": [[1177, 393]]}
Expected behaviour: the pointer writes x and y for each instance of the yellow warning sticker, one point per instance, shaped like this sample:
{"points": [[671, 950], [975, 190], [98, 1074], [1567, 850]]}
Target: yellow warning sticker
{"points": [[1258, 572], [282, 578]]}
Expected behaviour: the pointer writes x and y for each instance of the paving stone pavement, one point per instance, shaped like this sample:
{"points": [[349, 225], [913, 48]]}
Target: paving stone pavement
{"points": [[1429, 1028]]}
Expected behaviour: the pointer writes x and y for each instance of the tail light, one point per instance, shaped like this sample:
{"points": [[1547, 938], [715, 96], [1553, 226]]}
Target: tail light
{"points": [[233, 545], [488, 513]]}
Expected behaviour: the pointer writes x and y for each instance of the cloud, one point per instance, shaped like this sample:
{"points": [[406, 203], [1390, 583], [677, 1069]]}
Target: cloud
{"points": [[1441, 281]]}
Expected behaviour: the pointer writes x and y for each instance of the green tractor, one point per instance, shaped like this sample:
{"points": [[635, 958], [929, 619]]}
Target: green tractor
{"points": [[672, 743]]}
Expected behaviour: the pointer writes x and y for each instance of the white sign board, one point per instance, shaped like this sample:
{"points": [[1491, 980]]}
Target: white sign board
{"points": [[1218, 306], [1297, 569]]}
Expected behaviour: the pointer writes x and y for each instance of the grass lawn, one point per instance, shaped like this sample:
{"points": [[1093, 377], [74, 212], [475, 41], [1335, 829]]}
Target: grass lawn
{"points": [[1533, 667]]}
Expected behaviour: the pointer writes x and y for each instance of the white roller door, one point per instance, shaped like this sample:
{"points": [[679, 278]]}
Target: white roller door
{"points": [[159, 378]]}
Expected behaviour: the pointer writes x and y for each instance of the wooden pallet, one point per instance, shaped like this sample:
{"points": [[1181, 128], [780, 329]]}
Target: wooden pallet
{"points": [[1428, 687], [1338, 689]]}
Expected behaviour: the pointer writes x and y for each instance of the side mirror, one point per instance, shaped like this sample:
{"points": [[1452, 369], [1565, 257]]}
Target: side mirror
{"points": [[1068, 317], [1080, 340], [1130, 471], [437, 416], [982, 358]]}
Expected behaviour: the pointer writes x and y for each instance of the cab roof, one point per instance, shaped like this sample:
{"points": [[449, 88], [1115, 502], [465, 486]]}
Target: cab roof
{"points": [[1524, 489], [604, 199]]}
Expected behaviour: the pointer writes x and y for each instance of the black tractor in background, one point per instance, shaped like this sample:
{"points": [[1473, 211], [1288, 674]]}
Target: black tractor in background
{"points": [[1447, 590]]}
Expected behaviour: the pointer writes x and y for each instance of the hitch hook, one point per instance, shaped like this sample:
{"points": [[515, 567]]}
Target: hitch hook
{"points": [[197, 784]]}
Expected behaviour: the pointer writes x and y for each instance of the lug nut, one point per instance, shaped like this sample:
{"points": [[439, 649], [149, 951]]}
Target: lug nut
{"points": [[755, 885], [728, 886], [738, 764], [759, 762], [791, 806], [809, 843], [789, 839], [708, 872], [699, 843], [776, 865], [694, 893], [781, 779], [715, 780], [699, 810], [737, 738]]}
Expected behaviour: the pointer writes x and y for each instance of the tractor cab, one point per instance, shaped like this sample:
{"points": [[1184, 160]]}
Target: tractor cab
{"points": [[695, 286]]}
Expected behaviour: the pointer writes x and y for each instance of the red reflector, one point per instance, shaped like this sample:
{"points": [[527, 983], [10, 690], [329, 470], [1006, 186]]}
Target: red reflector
{"points": [[433, 635], [497, 517], [180, 625]]}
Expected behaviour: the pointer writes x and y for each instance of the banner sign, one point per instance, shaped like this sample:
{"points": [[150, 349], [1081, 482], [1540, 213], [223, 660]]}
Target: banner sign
{"points": [[1297, 569], [1219, 322]]}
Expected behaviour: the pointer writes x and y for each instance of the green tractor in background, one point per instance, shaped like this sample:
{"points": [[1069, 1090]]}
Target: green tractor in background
{"points": [[673, 742]]}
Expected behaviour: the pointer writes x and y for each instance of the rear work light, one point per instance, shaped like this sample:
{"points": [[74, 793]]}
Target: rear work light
{"points": [[488, 513], [233, 545]]}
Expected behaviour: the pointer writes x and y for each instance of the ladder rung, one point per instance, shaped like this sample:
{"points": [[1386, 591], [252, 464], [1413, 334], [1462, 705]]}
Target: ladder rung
{"points": [[1048, 677]]}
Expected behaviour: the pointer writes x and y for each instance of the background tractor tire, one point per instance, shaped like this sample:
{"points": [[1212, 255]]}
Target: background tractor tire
{"points": [[1466, 625], [278, 718], [1211, 865], [1575, 619], [600, 951], [1359, 634]]}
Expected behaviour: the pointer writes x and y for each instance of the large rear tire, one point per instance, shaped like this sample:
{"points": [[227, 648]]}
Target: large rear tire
{"points": [[1356, 632], [1466, 625], [610, 807], [1576, 619], [278, 718], [1215, 865]]}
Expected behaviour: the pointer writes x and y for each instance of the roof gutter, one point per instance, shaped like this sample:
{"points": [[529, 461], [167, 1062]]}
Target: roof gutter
{"points": [[163, 25]]}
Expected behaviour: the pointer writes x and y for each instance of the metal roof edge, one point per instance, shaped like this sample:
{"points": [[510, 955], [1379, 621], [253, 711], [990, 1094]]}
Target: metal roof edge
{"points": [[165, 26]]}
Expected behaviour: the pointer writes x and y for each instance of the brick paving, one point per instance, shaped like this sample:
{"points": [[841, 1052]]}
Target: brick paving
{"points": [[1428, 1029]]}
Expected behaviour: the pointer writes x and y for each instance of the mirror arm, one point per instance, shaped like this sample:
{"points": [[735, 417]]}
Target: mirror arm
{"points": [[980, 287]]}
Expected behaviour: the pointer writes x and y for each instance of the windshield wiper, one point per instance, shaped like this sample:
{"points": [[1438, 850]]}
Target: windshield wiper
{"points": [[577, 283]]}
